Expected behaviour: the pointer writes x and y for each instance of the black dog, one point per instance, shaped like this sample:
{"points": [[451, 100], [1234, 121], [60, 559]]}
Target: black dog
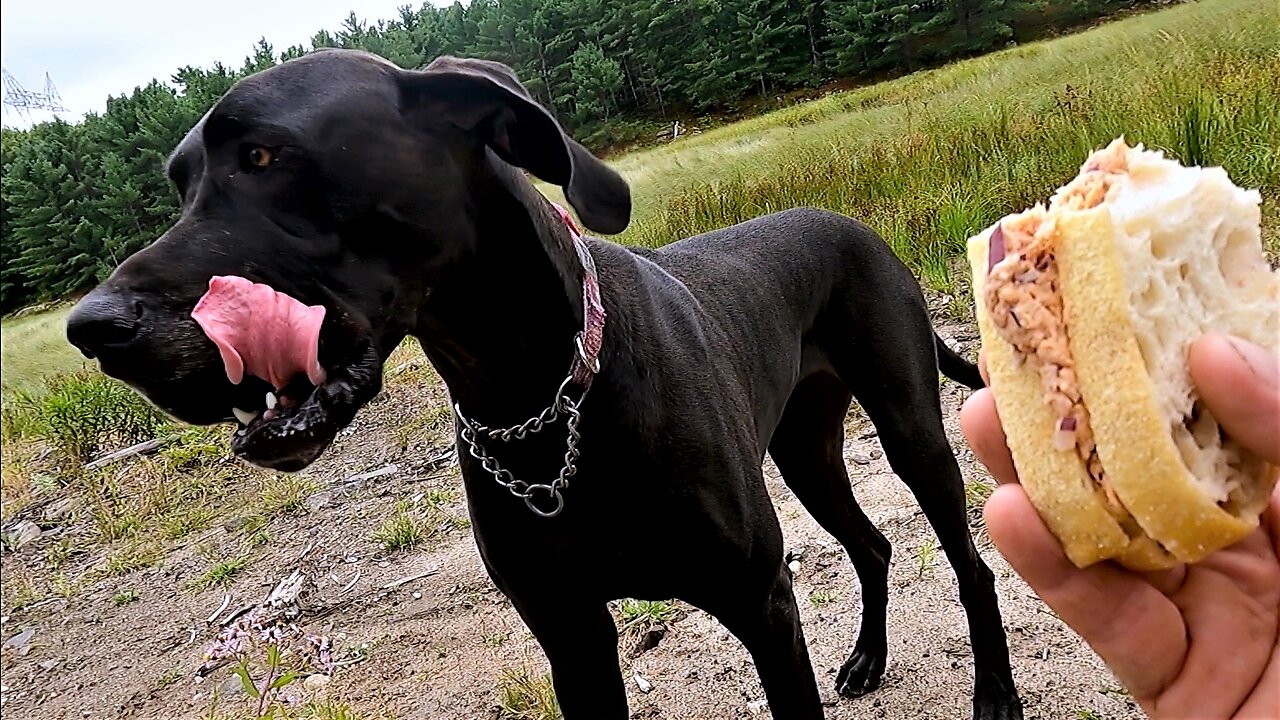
{"points": [[396, 200]]}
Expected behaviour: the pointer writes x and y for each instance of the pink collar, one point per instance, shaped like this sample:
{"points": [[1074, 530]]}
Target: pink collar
{"points": [[586, 363]]}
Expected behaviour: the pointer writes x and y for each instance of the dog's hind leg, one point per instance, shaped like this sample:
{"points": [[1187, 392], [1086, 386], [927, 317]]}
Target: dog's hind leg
{"points": [[808, 448], [895, 379]]}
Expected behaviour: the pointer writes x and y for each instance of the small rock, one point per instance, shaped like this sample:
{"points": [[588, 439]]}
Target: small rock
{"points": [[860, 458], [386, 470], [869, 434], [794, 566], [384, 564], [22, 533], [644, 685], [21, 642], [755, 707], [236, 524], [315, 682], [417, 596], [317, 501], [231, 687], [61, 509], [50, 664]]}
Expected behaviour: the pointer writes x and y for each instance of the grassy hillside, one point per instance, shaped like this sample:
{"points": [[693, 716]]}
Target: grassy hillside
{"points": [[34, 348], [929, 159]]}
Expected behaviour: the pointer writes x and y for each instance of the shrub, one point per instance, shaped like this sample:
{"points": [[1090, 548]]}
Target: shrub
{"points": [[82, 413]]}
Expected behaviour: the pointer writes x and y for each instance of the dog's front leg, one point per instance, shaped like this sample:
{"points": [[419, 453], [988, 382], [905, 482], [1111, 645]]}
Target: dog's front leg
{"points": [[581, 643]]}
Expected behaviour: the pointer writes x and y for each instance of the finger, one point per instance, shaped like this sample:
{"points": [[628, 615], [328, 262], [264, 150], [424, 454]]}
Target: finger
{"points": [[1229, 604], [1134, 628], [981, 425], [1265, 698], [1240, 383]]}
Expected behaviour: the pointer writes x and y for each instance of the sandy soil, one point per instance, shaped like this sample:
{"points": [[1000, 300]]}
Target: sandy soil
{"points": [[435, 647]]}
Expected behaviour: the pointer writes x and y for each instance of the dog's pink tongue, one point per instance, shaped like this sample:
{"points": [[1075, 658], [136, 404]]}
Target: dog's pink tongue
{"points": [[260, 331]]}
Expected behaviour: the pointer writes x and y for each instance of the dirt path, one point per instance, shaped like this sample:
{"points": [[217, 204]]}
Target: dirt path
{"points": [[436, 647]]}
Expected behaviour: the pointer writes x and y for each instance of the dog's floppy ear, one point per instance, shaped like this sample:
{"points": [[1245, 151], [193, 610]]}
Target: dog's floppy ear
{"points": [[486, 98]]}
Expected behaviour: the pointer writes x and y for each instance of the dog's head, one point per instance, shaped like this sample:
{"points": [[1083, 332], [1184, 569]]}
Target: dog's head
{"points": [[320, 201]]}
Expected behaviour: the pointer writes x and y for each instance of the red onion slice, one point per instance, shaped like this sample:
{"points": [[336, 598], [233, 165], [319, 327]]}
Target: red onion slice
{"points": [[995, 252], [1064, 437]]}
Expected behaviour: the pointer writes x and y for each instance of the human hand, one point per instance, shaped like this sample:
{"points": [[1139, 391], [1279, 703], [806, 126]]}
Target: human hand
{"points": [[1198, 642]]}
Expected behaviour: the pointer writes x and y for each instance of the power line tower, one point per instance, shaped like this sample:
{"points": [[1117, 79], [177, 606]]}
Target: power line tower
{"points": [[23, 101]]}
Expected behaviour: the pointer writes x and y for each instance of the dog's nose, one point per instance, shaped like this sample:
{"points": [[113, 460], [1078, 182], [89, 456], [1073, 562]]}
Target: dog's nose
{"points": [[103, 320]]}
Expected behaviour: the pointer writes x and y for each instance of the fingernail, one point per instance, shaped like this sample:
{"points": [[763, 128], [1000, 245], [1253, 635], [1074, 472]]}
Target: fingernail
{"points": [[1263, 364]]}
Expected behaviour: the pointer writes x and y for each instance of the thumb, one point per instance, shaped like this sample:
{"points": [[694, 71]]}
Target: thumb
{"points": [[1240, 384]]}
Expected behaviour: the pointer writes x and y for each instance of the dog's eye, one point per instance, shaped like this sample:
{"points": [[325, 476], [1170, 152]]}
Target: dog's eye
{"points": [[258, 157]]}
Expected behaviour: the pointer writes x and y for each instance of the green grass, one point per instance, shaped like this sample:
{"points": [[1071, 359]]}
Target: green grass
{"points": [[284, 493], [932, 158], [131, 557], [404, 529], [170, 677], [977, 492], [525, 696], [33, 348], [124, 597], [655, 612], [222, 574], [818, 598], [926, 556]]}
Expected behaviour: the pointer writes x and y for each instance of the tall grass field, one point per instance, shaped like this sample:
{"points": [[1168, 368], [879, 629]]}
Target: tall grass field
{"points": [[929, 159]]}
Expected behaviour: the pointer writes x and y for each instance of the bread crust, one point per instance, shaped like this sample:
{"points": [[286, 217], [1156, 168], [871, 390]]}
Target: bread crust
{"points": [[1142, 462], [1056, 482]]}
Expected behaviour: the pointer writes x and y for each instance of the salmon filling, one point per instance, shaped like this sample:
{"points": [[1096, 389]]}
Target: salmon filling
{"points": [[1025, 305]]}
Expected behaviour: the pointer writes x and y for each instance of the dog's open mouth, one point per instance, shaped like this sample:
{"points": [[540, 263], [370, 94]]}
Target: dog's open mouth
{"points": [[291, 428], [289, 407]]}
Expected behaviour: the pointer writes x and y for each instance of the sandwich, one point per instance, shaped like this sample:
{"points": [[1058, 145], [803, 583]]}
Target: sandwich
{"points": [[1087, 308]]}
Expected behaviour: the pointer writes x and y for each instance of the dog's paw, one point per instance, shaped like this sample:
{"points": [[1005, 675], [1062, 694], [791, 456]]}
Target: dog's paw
{"points": [[860, 674], [995, 698]]}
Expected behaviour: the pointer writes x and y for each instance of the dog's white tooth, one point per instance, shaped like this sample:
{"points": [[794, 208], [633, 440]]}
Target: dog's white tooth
{"points": [[244, 416], [271, 400]]}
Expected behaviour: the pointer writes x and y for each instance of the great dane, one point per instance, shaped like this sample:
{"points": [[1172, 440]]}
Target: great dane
{"points": [[613, 405]]}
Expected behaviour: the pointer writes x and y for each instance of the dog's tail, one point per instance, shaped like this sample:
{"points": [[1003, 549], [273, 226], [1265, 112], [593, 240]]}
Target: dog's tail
{"points": [[956, 367]]}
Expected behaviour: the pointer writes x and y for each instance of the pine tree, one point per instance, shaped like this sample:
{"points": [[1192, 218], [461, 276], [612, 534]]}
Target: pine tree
{"points": [[596, 79], [771, 36], [856, 45]]}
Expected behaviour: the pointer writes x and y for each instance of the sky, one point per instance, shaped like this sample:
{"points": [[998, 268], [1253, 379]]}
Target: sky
{"points": [[93, 49]]}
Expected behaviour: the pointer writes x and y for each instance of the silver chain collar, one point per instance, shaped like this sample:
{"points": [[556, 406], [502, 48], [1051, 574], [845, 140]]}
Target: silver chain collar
{"points": [[563, 405]]}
